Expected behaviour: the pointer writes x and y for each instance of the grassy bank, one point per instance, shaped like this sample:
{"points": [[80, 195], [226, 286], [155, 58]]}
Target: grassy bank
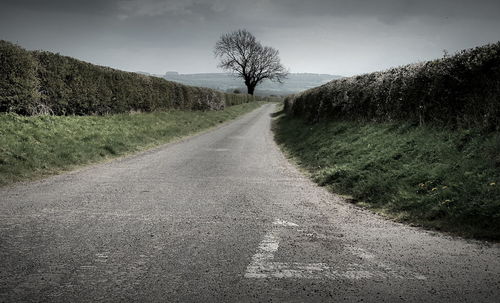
{"points": [[443, 179], [31, 147]]}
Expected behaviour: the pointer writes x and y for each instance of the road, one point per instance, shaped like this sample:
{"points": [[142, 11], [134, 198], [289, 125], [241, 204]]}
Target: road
{"points": [[221, 217]]}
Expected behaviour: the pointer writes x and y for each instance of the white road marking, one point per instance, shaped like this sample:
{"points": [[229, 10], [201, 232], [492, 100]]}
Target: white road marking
{"points": [[284, 223], [102, 257], [394, 270], [264, 266]]}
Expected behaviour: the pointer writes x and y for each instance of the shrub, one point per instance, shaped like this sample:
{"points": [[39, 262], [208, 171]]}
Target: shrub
{"points": [[19, 85], [458, 91], [37, 81]]}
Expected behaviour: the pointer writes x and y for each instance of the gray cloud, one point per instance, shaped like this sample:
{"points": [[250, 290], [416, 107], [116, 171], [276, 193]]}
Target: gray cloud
{"points": [[346, 37], [104, 7]]}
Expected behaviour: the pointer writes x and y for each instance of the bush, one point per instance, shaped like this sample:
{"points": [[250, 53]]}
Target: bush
{"points": [[34, 82], [458, 91], [19, 85]]}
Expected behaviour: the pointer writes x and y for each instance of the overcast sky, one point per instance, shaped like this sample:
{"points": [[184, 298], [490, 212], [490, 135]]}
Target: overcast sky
{"points": [[343, 37]]}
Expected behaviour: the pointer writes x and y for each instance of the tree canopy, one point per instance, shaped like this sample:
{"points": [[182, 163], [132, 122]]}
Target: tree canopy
{"points": [[241, 53]]}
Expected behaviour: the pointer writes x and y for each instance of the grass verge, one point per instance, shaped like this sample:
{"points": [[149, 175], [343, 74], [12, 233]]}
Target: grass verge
{"points": [[442, 179], [33, 147]]}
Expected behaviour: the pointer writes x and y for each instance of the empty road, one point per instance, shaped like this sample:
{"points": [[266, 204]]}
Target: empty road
{"points": [[221, 217]]}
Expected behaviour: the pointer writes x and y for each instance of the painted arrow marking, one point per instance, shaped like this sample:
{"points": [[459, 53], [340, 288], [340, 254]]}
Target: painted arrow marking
{"points": [[264, 266]]}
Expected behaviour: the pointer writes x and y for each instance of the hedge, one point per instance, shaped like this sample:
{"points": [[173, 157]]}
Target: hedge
{"points": [[456, 91], [34, 82]]}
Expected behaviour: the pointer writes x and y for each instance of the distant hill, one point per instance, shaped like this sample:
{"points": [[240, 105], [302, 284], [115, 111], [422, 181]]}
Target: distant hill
{"points": [[227, 82]]}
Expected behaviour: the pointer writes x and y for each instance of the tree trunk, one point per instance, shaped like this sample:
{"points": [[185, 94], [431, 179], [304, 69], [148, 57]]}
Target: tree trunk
{"points": [[251, 89]]}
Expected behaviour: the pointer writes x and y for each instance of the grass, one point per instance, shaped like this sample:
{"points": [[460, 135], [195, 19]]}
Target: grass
{"points": [[33, 147], [441, 179]]}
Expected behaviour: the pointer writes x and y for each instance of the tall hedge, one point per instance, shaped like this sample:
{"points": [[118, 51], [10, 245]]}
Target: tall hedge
{"points": [[19, 84], [33, 82], [458, 91]]}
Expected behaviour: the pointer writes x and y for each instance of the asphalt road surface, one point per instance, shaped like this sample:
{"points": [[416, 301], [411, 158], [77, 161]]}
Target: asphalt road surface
{"points": [[221, 217]]}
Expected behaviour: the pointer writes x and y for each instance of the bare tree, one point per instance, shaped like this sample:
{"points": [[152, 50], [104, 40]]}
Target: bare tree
{"points": [[241, 53]]}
